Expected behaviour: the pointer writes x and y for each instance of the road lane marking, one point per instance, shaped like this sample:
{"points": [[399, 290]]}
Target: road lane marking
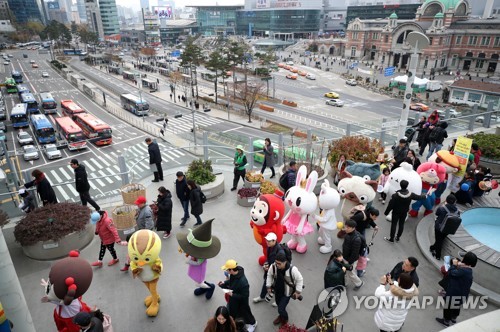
{"points": [[236, 128], [87, 164], [106, 176]]}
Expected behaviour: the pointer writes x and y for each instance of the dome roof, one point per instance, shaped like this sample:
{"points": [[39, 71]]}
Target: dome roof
{"points": [[446, 3], [393, 15], [439, 15]]}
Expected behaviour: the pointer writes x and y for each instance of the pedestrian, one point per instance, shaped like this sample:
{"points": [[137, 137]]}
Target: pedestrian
{"points": [[239, 161], [170, 96], [431, 123], [164, 217], [400, 205], [476, 152], [182, 192], [386, 173], [350, 250], [287, 282], [399, 153], [411, 158], [459, 282], [28, 203], [395, 302], [239, 292], [154, 160], [436, 138], [221, 321], [165, 123], [144, 215], [162, 132], [43, 187], [108, 234], [195, 200], [273, 248], [420, 129], [82, 184], [89, 321], [268, 157], [290, 176], [365, 218], [335, 270], [449, 207], [409, 266]]}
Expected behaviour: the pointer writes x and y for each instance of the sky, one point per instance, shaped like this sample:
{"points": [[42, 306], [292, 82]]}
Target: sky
{"points": [[180, 3]]}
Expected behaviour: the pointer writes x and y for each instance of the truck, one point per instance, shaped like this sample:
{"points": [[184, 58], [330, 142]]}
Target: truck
{"points": [[434, 85]]}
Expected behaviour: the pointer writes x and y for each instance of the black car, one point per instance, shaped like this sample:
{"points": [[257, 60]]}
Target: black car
{"points": [[3, 115]]}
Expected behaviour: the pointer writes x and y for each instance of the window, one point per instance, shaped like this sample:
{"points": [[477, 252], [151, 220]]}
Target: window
{"points": [[472, 40], [354, 35], [454, 60], [430, 40], [497, 42], [479, 63], [443, 61], [494, 99], [485, 41], [353, 51], [458, 94], [386, 38], [440, 40], [375, 36], [458, 40], [426, 63], [474, 97]]}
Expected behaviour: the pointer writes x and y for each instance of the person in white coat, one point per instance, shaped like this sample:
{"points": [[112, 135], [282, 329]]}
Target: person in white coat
{"points": [[329, 199], [394, 303]]}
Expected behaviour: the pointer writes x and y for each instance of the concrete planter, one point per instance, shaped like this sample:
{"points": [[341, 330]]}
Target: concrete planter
{"points": [[317, 188], [50, 250], [246, 201], [248, 184], [214, 189]]}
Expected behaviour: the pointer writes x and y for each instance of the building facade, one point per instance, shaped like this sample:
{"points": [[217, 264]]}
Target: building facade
{"points": [[475, 92], [151, 27], [109, 16], [404, 11], [5, 14], [94, 20], [174, 30], [216, 20], [26, 10], [457, 42], [82, 13]]}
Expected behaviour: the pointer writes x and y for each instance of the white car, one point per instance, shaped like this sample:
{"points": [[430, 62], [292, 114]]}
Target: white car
{"points": [[452, 113], [24, 138], [290, 63], [351, 82], [52, 152], [30, 153], [310, 77], [45, 74], [6, 63], [32, 61], [493, 118], [122, 54], [335, 102]]}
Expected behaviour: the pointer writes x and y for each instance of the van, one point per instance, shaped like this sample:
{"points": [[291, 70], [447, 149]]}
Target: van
{"points": [[434, 85]]}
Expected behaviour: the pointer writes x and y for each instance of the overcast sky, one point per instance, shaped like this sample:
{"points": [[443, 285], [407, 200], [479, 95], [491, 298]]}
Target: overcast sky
{"points": [[180, 3]]}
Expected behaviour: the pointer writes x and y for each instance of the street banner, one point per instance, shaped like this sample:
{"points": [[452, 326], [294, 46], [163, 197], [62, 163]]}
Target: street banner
{"points": [[462, 151]]}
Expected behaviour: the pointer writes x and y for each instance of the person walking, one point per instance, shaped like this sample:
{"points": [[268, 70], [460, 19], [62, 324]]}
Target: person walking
{"points": [[441, 213], [221, 321], [182, 192], [287, 282], [420, 129], [409, 266], [335, 270], [195, 200], [154, 160], [273, 248], [82, 184], [289, 176], [28, 204], [143, 216], [108, 234], [436, 138], [240, 161], [43, 187], [268, 157], [399, 154], [350, 250], [239, 292], [164, 217]]}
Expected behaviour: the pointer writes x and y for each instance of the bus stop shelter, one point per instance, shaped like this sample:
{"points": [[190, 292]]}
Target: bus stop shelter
{"points": [[115, 69], [150, 84]]}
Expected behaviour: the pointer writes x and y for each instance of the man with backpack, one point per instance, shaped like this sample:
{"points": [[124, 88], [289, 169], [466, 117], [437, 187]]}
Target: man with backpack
{"points": [[447, 221], [436, 138], [351, 249], [273, 249], [287, 180]]}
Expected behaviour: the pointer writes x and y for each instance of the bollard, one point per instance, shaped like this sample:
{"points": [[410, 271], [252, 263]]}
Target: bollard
{"points": [[281, 149], [205, 145], [123, 170], [250, 156]]}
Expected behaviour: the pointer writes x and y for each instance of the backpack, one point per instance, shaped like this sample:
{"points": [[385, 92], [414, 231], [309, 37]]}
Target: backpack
{"points": [[284, 181], [436, 134], [203, 198], [288, 252], [450, 223]]}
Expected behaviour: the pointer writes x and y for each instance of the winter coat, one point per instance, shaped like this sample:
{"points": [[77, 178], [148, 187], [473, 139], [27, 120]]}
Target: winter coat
{"points": [[420, 130], [28, 203], [363, 220], [459, 281], [238, 302], [195, 200], [272, 252], [44, 189], [334, 275], [441, 213], [154, 153], [439, 133], [399, 154], [291, 272], [393, 306], [144, 218], [182, 190], [415, 163], [240, 160], [81, 182], [106, 230], [164, 217], [351, 246], [398, 269], [269, 155], [400, 202], [291, 176], [212, 325]]}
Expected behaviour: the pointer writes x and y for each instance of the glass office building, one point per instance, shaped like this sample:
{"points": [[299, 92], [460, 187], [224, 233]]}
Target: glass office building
{"points": [[216, 20], [109, 16], [404, 12], [26, 10]]}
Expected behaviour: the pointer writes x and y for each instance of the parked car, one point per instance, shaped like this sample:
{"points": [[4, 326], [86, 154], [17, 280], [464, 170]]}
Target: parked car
{"points": [[480, 118], [351, 82], [24, 138], [310, 77], [290, 63], [45, 74], [3, 115], [3, 136], [6, 63], [291, 76], [32, 61], [52, 152], [335, 102], [452, 113], [419, 107], [30, 153], [34, 65], [332, 94], [3, 127]]}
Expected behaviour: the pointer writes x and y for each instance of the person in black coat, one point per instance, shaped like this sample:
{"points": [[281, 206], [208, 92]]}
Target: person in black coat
{"points": [[164, 217], [412, 159], [82, 184], [43, 187], [400, 205], [335, 270], [350, 250], [409, 266], [195, 200], [420, 129], [155, 159], [441, 213], [182, 192]]}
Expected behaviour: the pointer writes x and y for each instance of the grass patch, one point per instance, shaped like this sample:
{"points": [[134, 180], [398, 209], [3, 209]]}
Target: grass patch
{"points": [[278, 128]]}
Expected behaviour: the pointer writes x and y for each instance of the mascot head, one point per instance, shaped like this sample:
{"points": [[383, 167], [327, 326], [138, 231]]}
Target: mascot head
{"points": [[447, 159], [144, 247], [267, 209], [329, 198], [403, 172], [432, 173], [364, 170], [357, 189], [69, 278]]}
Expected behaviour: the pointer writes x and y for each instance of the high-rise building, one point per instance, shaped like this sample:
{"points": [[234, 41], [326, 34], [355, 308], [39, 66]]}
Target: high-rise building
{"points": [[80, 5], [27, 10], [4, 10], [151, 27], [94, 20], [109, 16], [66, 5]]}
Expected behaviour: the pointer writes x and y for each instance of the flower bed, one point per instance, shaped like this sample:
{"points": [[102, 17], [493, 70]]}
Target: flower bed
{"points": [[247, 196]]}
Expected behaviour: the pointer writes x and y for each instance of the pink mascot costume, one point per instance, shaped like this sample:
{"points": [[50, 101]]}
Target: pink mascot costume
{"points": [[431, 174]]}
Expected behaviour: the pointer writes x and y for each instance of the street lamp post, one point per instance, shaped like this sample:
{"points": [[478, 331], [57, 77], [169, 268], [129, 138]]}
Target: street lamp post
{"points": [[194, 123]]}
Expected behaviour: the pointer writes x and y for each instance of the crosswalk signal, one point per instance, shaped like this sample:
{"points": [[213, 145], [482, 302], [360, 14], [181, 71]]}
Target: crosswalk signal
{"points": [[178, 116]]}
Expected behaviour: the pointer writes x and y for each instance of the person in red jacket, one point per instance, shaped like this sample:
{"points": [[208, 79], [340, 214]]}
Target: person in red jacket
{"points": [[106, 230]]}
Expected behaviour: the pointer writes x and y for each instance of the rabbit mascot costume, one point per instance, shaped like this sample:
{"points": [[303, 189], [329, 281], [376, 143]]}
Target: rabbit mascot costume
{"points": [[329, 199], [302, 201]]}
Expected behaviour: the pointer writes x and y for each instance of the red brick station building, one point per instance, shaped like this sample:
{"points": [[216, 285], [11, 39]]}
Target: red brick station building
{"points": [[458, 42]]}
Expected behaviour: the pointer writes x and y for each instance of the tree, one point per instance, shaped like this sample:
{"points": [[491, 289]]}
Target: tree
{"points": [[191, 58], [150, 52], [236, 54], [87, 37], [218, 64], [249, 96], [74, 27]]}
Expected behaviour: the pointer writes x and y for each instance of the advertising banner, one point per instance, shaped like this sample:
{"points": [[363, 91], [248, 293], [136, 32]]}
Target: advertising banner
{"points": [[263, 3], [53, 5], [462, 151], [163, 12]]}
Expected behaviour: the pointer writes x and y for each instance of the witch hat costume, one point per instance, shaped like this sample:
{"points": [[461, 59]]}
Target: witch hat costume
{"points": [[199, 245]]}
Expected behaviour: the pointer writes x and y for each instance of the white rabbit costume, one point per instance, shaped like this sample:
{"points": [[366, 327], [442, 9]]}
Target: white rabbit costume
{"points": [[301, 201], [329, 199]]}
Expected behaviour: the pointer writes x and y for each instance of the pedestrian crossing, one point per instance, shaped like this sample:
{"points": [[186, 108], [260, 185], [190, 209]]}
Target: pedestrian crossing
{"points": [[185, 123]]}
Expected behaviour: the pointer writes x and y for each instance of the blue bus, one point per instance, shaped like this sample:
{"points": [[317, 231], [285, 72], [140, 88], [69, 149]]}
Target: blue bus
{"points": [[19, 116], [49, 104], [43, 129], [17, 76], [21, 88], [73, 51], [28, 99]]}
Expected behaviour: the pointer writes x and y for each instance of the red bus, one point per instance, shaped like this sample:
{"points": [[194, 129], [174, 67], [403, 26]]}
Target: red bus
{"points": [[96, 130], [70, 108], [68, 130]]}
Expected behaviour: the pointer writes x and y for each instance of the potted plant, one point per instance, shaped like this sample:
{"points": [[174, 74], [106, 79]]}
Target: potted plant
{"points": [[253, 180], [202, 173], [247, 196], [268, 187], [51, 231], [291, 328]]}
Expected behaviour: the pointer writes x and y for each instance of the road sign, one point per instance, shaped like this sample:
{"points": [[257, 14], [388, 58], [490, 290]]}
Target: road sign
{"points": [[389, 71], [390, 124], [266, 78], [176, 53]]}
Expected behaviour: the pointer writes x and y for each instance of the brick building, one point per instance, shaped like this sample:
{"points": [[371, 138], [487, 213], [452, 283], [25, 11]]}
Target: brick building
{"points": [[458, 42]]}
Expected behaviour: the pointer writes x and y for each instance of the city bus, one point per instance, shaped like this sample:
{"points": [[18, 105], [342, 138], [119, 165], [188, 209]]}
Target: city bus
{"points": [[70, 108], [10, 85], [95, 129], [73, 51], [28, 99], [49, 104], [21, 88], [43, 129], [128, 75], [19, 116], [68, 130], [17, 76], [134, 104]]}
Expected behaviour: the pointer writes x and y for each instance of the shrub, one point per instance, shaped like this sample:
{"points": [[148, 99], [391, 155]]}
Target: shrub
{"points": [[357, 148], [51, 222], [4, 218], [268, 187], [201, 172], [489, 144], [247, 192]]}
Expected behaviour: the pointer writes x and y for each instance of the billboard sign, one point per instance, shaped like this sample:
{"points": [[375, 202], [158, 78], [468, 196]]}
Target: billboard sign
{"points": [[263, 4], [288, 4], [163, 12], [52, 5]]}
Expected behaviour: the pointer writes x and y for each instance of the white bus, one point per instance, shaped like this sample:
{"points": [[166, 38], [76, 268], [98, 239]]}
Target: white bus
{"points": [[49, 104], [134, 104]]}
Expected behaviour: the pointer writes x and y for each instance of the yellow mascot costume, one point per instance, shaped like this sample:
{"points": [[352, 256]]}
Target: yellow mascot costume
{"points": [[144, 251]]}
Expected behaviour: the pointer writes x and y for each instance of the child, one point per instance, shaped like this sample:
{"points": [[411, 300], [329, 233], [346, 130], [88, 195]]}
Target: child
{"points": [[382, 181], [335, 270], [28, 203], [106, 230]]}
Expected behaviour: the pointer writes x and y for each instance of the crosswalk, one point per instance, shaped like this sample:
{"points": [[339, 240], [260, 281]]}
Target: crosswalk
{"points": [[103, 171], [185, 124]]}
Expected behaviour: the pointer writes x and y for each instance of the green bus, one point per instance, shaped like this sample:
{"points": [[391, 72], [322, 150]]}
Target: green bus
{"points": [[11, 85], [293, 152]]}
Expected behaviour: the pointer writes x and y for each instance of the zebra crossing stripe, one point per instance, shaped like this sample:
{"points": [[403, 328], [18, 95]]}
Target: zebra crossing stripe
{"points": [[98, 165], [101, 172], [94, 175], [59, 188], [63, 171], [87, 164], [117, 169]]}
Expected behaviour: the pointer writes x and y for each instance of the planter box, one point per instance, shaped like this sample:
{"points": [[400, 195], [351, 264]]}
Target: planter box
{"points": [[50, 250], [289, 103], [214, 189], [266, 108], [300, 134], [246, 201], [248, 184], [317, 188]]}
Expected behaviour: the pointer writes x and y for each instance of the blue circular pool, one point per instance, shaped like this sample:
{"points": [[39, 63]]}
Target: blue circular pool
{"points": [[484, 225]]}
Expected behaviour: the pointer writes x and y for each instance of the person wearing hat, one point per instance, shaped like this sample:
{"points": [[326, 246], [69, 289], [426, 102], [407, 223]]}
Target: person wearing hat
{"points": [[199, 245], [82, 184], [28, 203], [144, 216], [154, 159], [108, 234], [273, 248], [182, 191], [240, 161], [239, 292], [88, 322]]}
